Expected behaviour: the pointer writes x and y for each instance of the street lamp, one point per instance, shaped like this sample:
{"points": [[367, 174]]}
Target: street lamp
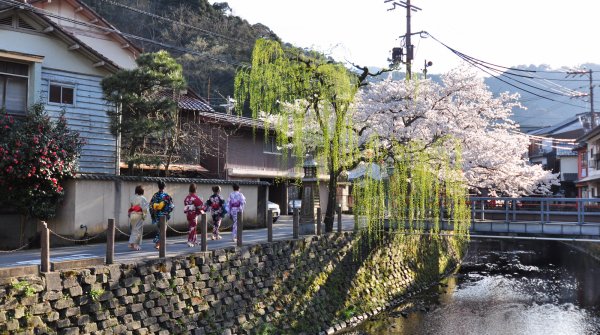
{"points": [[427, 64]]}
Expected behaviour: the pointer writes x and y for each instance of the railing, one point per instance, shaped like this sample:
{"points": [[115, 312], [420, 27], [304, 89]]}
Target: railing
{"points": [[569, 176], [542, 210], [47, 266]]}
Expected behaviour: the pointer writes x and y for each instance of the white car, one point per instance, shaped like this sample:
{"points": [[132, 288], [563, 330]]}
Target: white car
{"points": [[296, 203], [275, 208]]}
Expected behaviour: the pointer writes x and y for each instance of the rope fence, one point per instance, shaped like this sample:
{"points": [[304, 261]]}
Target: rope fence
{"points": [[111, 229], [15, 250], [75, 240]]}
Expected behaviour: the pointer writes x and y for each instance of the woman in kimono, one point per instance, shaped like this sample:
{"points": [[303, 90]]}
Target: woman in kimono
{"points": [[216, 205], [138, 210], [236, 205], [192, 208], [161, 205]]}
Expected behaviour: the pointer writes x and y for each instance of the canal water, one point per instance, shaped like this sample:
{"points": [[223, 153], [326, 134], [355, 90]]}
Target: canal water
{"points": [[504, 287]]}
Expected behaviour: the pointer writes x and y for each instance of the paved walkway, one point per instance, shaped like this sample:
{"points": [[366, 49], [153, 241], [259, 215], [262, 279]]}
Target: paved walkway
{"points": [[176, 246]]}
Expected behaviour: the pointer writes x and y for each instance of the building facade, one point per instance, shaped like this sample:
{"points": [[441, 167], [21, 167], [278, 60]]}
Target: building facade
{"points": [[50, 60]]}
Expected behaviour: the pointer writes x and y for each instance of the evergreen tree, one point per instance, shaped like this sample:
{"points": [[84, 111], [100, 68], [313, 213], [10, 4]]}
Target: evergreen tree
{"points": [[147, 116]]}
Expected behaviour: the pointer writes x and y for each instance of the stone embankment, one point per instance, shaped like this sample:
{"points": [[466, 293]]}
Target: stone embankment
{"points": [[310, 285]]}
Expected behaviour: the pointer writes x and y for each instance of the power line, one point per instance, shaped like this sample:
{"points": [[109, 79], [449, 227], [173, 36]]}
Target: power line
{"points": [[205, 31], [32, 9], [481, 65]]}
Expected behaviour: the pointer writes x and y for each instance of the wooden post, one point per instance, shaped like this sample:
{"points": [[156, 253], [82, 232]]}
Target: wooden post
{"points": [[162, 250], [270, 225], [203, 246], [110, 242], [339, 208], [45, 247], [240, 227], [295, 224], [318, 220]]}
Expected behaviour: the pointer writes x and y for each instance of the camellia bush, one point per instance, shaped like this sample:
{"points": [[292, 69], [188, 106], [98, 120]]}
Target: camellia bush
{"points": [[37, 154]]}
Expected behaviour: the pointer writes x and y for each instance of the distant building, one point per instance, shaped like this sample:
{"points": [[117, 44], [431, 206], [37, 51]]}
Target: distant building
{"points": [[552, 147], [589, 164]]}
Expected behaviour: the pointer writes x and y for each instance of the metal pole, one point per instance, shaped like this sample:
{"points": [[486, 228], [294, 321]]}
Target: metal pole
{"points": [[514, 212], [542, 212], [270, 225], [240, 227], [339, 208], [593, 118], [162, 250], [203, 245], [473, 205], [110, 242], [578, 203], [482, 210], [409, 51], [318, 220], [583, 212], [45, 247], [295, 224]]}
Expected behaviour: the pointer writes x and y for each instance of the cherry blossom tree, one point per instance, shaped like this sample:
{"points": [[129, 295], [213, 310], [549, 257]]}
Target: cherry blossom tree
{"points": [[459, 109]]}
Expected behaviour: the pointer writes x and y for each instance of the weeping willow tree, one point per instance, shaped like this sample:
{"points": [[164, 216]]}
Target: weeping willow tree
{"points": [[306, 98], [425, 189]]}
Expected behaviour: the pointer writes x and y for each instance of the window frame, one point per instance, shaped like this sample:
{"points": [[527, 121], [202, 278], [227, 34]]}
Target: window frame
{"points": [[62, 85], [270, 146], [4, 76]]}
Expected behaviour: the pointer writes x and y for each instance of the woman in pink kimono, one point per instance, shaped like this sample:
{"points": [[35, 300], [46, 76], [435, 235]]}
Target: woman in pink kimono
{"points": [[236, 205]]}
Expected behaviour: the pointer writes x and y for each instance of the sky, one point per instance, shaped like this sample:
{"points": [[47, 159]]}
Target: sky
{"points": [[502, 32]]}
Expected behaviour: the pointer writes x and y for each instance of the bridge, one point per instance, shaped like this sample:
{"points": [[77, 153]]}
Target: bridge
{"points": [[535, 218]]}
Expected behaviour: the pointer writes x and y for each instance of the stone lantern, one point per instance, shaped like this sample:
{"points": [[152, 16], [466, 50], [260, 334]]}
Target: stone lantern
{"points": [[310, 198]]}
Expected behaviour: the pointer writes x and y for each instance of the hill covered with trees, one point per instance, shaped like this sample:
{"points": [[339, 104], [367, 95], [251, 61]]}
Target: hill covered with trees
{"points": [[205, 38]]}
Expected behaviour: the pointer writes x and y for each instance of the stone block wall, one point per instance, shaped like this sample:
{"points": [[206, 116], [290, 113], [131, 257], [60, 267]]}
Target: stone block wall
{"points": [[302, 286]]}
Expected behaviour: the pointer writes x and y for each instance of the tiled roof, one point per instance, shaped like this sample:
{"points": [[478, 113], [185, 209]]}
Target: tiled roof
{"points": [[194, 103], [169, 179]]}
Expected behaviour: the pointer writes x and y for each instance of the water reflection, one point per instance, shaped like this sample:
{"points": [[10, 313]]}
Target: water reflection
{"points": [[504, 288]]}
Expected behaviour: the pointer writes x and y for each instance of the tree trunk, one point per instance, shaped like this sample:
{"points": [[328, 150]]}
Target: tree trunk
{"points": [[331, 201]]}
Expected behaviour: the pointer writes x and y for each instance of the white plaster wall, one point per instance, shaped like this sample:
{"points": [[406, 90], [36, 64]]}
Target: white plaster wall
{"points": [[93, 202], [105, 44], [56, 53], [111, 50], [568, 164]]}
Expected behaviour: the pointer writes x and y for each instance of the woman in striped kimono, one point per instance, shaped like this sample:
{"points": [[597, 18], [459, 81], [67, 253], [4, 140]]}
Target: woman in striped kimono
{"points": [[138, 210], [236, 205]]}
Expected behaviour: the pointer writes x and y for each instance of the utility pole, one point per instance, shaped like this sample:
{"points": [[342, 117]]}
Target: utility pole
{"points": [[590, 75], [408, 44]]}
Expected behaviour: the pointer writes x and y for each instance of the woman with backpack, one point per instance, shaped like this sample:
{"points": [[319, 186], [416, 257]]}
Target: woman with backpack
{"points": [[216, 205]]}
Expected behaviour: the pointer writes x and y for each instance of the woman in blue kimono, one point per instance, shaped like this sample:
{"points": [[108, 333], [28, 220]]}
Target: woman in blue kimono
{"points": [[161, 205]]}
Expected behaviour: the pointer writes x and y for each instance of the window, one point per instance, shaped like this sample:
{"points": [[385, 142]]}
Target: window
{"points": [[13, 87], [61, 94], [270, 145]]}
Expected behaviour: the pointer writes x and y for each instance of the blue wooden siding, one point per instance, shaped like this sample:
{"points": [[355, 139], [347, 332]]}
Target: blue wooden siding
{"points": [[87, 116]]}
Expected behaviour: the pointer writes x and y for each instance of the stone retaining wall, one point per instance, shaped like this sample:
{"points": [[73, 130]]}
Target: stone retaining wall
{"points": [[310, 285]]}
